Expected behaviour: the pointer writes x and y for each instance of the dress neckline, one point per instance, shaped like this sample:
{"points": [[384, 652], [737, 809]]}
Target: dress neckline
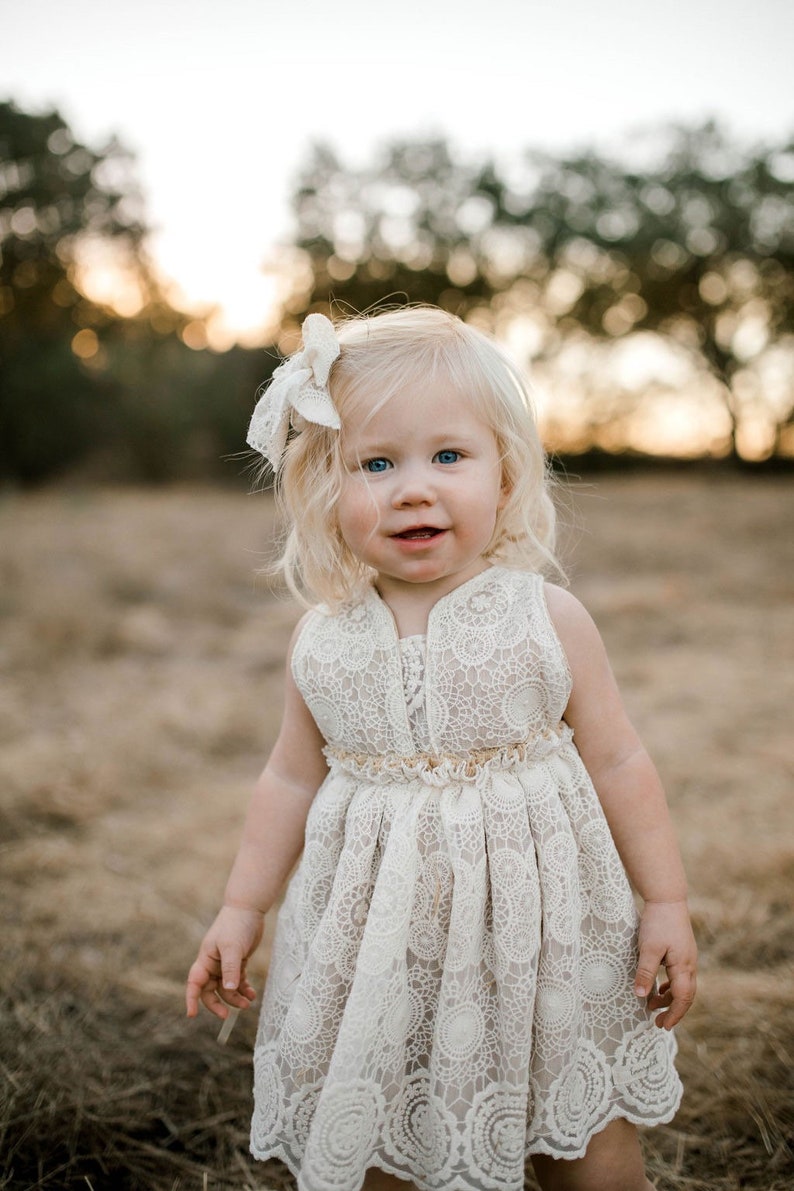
{"points": [[472, 582]]}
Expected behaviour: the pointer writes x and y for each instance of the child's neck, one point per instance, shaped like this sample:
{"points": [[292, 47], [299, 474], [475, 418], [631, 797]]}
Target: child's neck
{"points": [[410, 617]]}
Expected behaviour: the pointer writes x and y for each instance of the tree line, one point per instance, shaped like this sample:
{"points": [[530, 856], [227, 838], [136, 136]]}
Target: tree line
{"points": [[693, 245]]}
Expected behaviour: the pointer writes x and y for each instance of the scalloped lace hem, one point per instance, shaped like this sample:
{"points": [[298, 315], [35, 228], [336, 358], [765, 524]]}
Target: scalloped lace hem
{"points": [[459, 1182]]}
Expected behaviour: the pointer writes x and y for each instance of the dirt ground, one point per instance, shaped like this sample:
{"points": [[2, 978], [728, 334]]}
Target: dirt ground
{"points": [[142, 658]]}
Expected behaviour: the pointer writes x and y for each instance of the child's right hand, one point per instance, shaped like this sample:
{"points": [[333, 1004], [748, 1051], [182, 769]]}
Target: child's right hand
{"points": [[217, 978]]}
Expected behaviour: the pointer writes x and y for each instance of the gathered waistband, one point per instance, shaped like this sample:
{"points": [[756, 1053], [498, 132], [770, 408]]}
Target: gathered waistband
{"points": [[440, 768]]}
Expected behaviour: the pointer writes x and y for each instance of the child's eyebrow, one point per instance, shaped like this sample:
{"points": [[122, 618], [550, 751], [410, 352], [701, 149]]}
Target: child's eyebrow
{"points": [[453, 438], [364, 450]]}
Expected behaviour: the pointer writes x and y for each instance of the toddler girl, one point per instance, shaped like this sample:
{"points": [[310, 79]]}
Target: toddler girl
{"points": [[459, 979]]}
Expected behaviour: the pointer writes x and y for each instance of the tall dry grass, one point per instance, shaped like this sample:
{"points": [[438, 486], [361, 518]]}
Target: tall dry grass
{"points": [[142, 675]]}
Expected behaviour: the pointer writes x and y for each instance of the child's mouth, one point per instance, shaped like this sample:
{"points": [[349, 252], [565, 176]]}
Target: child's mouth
{"points": [[421, 534]]}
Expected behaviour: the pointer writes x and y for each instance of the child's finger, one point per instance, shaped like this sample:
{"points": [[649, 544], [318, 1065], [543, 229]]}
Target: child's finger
{"points": [[680, 993], [191, 1000], [232, 973], [234, 998], [212, 1001], [661, 997], [647, 967], [197, 980]]}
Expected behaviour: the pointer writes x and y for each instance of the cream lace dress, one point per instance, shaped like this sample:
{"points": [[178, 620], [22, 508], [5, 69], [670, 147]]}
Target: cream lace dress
{"points": [[451, 979]]}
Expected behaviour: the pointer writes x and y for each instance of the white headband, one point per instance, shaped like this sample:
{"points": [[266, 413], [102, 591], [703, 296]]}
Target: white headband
{"points": [[297, 392]]}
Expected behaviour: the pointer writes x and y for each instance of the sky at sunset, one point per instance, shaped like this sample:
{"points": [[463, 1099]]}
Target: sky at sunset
{"points": [[219, 101]]}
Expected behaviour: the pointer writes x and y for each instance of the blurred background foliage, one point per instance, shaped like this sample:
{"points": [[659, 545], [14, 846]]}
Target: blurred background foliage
{"points": [[626, 280]]}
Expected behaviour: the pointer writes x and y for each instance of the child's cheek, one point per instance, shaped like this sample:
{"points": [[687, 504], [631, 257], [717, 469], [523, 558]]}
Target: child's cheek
{"points": [[358, 514]]}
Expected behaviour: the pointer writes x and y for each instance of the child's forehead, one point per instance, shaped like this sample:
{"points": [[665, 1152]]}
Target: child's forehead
{"points": [[410, 400], [428, 416]]}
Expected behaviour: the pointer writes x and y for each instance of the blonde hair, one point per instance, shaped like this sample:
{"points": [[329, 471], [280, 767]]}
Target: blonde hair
{"points": [[380, 355]]}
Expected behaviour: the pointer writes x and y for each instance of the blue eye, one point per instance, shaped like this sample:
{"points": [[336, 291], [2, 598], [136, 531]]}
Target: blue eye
{"points": [[448, 456], [376, 466]]}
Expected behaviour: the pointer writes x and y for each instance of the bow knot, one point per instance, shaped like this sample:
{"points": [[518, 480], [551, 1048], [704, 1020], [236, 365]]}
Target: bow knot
{"points": [[298, 392]]}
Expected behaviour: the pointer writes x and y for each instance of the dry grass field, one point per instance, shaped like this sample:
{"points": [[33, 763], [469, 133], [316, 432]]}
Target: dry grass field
{"points": [[141, 661]]}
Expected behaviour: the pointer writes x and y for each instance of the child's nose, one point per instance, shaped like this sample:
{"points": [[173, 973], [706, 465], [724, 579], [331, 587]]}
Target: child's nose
{"points": [[414, 487]]}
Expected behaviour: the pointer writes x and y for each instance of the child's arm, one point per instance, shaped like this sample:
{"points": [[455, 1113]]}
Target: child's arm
{"points": [[631, 794], [271, 843]]}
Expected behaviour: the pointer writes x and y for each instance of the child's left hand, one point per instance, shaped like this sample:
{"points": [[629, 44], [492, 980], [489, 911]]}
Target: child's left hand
{"points": [[666, 938]]}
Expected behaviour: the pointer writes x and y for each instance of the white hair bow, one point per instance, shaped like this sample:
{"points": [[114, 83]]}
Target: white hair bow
{"points": [[298, 392]]}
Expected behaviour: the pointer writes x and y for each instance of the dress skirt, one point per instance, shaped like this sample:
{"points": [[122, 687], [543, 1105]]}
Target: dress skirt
{"points": [[451, 982]]}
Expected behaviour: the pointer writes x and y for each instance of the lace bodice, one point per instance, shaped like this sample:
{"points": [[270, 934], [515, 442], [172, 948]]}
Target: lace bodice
{"points": [[494, 671]]}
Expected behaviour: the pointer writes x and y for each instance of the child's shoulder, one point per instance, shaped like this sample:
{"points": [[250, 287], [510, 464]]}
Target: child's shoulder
{"points": [[575, 627], [563, 604]]}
